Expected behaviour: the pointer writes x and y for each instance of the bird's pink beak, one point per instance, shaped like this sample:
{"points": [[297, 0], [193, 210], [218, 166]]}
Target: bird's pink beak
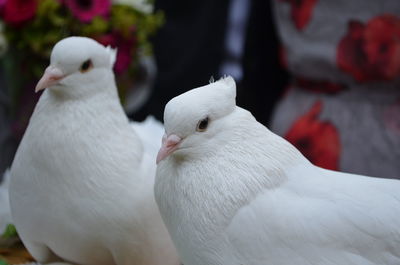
{"points": [[50, 77], [169, 145]]}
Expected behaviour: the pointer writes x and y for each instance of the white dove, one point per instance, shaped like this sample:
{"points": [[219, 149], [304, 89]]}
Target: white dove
{"points": [[231, 192], [81, 188]]}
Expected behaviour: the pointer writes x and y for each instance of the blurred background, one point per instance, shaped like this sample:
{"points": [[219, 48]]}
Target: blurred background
{"points": [[323, 74]]}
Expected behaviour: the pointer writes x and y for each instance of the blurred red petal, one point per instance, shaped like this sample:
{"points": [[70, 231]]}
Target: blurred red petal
{"points": [[371, 52], [316, 140], [301, 11], [125, 49], [16, 12]]}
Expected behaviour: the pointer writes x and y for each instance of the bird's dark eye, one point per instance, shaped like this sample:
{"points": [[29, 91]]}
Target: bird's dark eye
{"points": [[202, 125], [86, 66]]}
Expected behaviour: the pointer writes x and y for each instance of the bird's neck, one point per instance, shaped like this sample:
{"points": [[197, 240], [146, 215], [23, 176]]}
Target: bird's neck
{"points": [[91, 101], [99, 115], [101, 84], [227, 179]]}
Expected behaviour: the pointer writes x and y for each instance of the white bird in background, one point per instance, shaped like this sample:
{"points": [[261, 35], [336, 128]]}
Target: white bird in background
{"points": [[81, 188], [232, 192]]}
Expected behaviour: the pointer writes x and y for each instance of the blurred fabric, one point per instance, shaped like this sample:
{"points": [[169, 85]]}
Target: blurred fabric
{"points": [[342, 109]]}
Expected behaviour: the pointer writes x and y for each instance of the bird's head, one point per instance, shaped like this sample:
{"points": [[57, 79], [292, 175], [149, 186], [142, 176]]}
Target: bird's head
{"points": [[193, 118], [76, 62]]}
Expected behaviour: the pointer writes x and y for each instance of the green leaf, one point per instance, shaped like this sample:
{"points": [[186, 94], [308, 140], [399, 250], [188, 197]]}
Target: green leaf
{"points": [[10, 231], [97, 26], [47, 7], [3, 262]]}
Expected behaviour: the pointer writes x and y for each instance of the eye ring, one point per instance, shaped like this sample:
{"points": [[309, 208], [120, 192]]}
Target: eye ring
{"points": [[86, 66], [202, 125]]}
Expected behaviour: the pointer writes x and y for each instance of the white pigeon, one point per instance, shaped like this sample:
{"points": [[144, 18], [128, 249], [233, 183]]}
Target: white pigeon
{"points": [[81, 188], [232, 192]]}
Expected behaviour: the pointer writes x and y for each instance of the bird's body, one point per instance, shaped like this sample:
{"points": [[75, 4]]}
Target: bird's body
{"points": [[238, 194], [81, 183]]}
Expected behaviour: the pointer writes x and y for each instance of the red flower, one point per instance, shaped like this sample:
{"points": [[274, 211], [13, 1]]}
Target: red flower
{"points": [[125, 49], [371, 52], [86, 10], [301, 11], [316, 140], [319, 86], [16, 12]]}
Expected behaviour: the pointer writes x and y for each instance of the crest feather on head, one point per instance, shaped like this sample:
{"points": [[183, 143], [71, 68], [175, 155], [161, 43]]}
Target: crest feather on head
{"points": [[113, 54]]}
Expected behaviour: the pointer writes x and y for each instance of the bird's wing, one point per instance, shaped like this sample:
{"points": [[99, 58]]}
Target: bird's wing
{"points": [[320, 217], [150, 131]]}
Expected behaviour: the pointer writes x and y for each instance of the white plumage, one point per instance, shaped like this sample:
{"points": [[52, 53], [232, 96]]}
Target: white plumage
{"points": [[232, 192], [5, 214], [81, 188], [149, 131]]}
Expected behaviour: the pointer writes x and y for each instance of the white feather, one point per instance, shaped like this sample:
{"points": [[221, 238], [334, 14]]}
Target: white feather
{"points": [[113, 54], [239, 194], [82, 180], [150, 131], [5, 215]]}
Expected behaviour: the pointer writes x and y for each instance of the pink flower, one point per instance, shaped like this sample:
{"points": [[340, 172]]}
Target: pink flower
{"points": [[16, 12], [86, 10], [125, 49]]}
